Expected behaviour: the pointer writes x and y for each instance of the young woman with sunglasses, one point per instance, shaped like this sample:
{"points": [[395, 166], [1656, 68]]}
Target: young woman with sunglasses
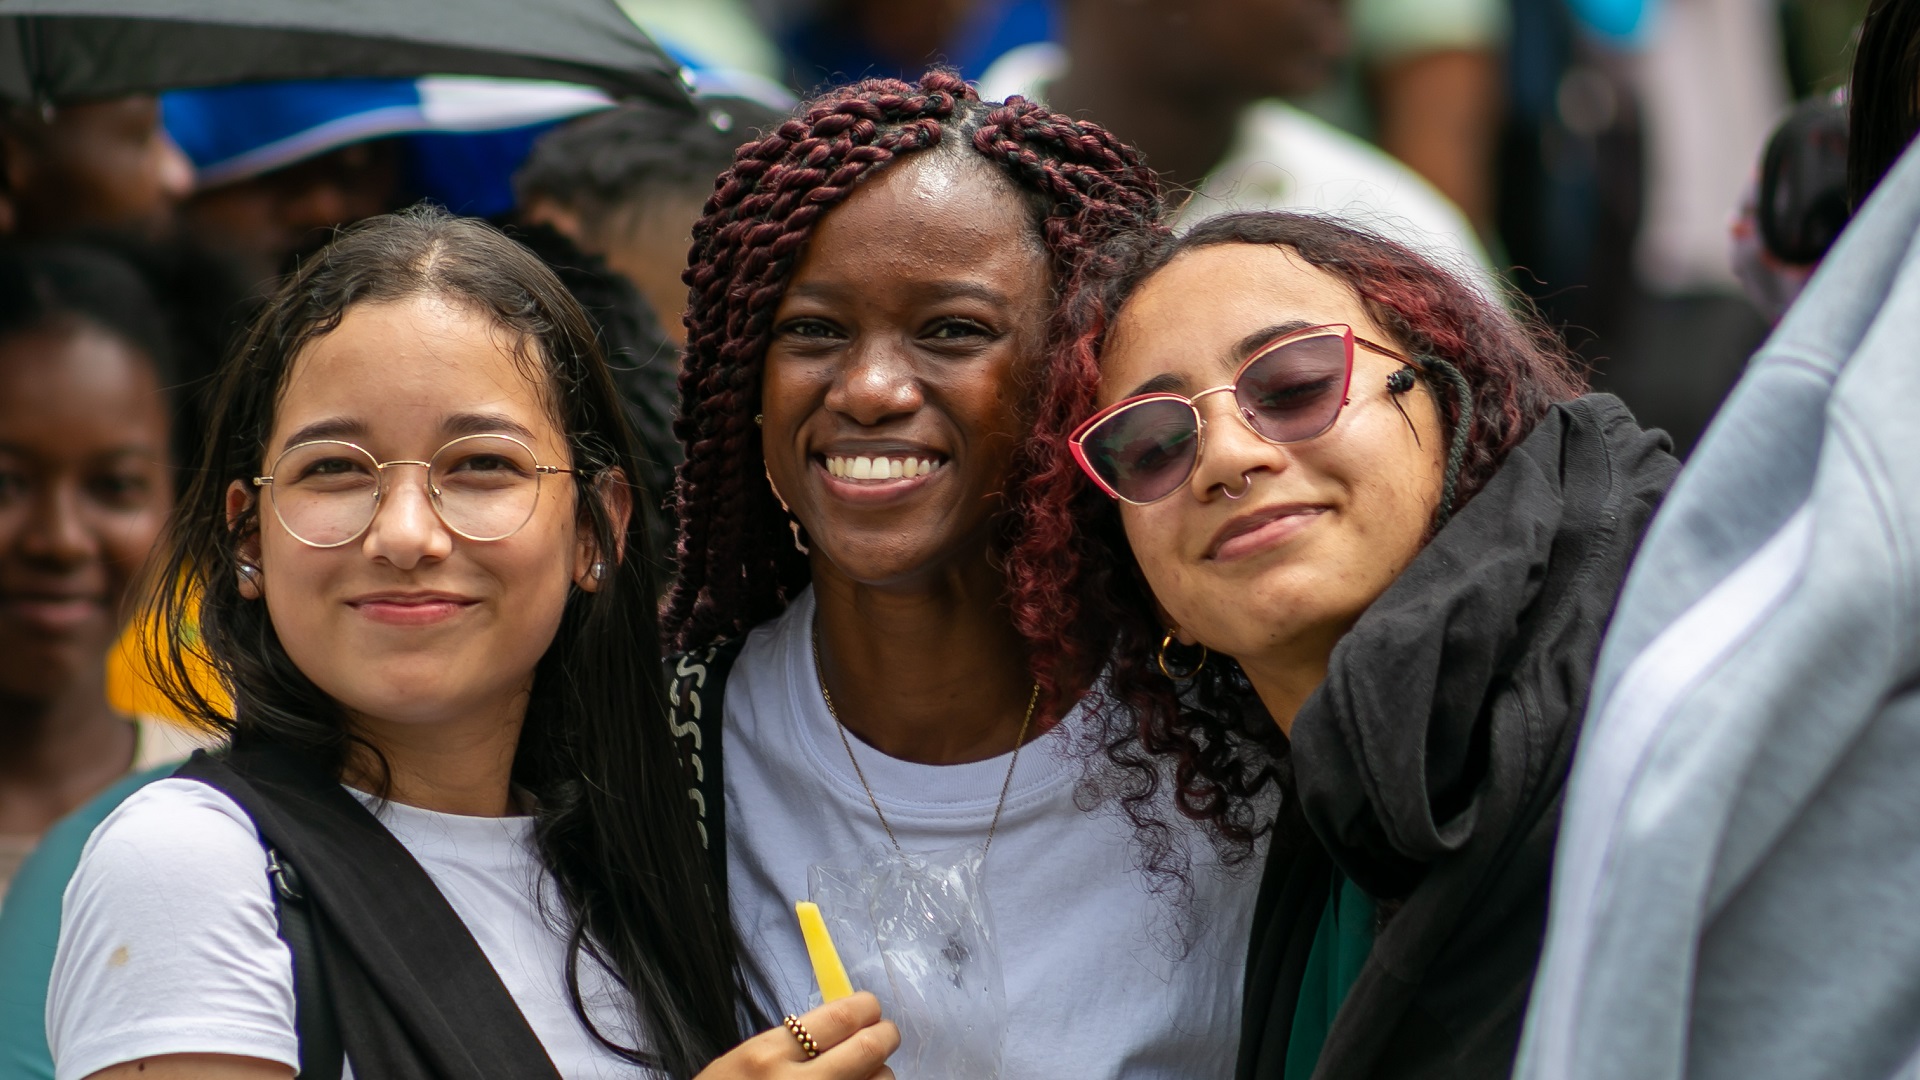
{"points": [[1351, 533], [449, 836]]}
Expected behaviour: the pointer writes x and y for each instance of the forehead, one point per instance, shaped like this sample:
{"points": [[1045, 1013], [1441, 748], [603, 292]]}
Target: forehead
{"points": [[1189, 316], [52, 373], [925, 215], [400, 368]]}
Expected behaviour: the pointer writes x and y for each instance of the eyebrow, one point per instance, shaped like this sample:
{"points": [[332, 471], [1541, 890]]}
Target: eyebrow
{"points": [[470, 423], [486, 423], [933, 292], [1170, 382]]}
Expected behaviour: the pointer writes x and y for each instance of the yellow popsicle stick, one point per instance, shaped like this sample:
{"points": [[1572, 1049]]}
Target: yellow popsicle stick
{"points": [[828, 971]]}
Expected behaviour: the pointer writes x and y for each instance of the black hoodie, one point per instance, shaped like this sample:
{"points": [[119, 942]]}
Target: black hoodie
{"points": [[1430, 766]]}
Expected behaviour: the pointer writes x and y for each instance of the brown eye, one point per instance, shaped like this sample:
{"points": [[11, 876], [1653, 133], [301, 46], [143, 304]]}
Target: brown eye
{"points": [[121, 490]]}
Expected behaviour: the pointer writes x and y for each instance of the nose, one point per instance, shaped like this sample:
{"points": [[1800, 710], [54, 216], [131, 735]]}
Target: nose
{"points": [[875, 384], [320, 204], [56, 531], [406, 530], [1232, 457]]}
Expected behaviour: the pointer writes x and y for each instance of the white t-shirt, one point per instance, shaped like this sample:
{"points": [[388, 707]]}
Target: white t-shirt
{"points": [[1094, 989], [1284, 159], [168, 941]]}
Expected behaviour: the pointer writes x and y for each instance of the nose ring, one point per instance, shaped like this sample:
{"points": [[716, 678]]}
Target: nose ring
{"points": [[1245, 487]]}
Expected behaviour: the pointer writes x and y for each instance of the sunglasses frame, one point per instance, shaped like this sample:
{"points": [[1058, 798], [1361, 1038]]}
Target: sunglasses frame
{"points": [[1076, 442]]}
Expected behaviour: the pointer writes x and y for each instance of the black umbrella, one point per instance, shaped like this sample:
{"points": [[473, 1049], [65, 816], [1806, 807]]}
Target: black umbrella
{"points": [[54, 51]]}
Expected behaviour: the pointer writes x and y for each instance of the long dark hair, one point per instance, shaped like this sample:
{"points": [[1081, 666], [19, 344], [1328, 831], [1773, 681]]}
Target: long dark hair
{"points": [[1883, 114], [738, 566], [1079, 596], [612, 820]]}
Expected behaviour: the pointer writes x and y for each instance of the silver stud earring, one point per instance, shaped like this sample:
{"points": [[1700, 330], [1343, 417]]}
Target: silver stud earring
{"points": [[598, 571], [249, 575]]}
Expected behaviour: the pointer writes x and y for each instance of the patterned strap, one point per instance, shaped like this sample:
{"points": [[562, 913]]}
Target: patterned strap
{"points": [[696, 689]]}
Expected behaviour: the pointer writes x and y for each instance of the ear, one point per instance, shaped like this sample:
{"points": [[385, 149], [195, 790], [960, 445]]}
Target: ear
{"points": [[616, 499], [240, 499]]}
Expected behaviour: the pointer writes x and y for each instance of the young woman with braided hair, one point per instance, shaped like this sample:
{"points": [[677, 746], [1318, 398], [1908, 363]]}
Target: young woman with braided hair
{"points": [[1347, 530], [878, 287]]}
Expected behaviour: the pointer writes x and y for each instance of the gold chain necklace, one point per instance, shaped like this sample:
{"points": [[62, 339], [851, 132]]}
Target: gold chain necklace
{"points": [[1005, 785]]}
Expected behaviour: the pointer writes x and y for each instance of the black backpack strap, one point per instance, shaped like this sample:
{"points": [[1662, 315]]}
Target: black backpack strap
{"points": [[696, 696], [321, 1056], [413, 996]]}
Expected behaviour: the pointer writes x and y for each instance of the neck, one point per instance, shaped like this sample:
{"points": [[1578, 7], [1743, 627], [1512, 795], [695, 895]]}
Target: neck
{"points": [[1284, 678], [934, 674], [1184, 134], [57, 753], [462, 766]]}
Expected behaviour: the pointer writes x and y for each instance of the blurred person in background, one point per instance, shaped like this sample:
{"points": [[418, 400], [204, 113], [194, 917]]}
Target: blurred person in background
{"points": [[283, 164], [85, 484], [837, 41], [1710, 80], [1884, 95], [1425, 81], [1198, 87], [100, 164], [627, 185], [1794, 208]]}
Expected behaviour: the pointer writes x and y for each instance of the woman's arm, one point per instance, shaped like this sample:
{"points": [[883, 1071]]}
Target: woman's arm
{"points": [[195, 1067]]}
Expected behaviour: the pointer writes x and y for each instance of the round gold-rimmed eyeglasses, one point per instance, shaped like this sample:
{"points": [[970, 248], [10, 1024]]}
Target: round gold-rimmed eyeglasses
{"points": [[483, 487]]}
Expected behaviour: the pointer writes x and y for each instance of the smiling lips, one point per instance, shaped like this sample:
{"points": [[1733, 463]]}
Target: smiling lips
{"points": [[54, 613], [411, 608], [877, 467], [1261, 529]]}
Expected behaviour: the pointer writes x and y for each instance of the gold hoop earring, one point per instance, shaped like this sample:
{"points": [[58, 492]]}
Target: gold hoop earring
{"points": [[1184, 676], [793, 523]]}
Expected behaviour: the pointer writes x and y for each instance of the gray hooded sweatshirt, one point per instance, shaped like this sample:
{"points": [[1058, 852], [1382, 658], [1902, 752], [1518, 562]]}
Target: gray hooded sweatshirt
{"points": [[1737, 888]]}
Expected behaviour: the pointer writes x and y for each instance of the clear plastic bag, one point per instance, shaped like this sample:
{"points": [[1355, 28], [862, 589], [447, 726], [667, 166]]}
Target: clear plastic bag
{"points": [[913, 928]]}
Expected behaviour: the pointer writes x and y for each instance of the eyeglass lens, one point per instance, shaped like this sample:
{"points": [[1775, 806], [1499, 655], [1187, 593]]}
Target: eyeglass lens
{"points": [[483, 487], [1290, 393]]}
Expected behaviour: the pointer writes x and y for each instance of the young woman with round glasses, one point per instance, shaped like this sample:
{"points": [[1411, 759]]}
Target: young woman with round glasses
{"points": [[449, 835], [1353, 534]]}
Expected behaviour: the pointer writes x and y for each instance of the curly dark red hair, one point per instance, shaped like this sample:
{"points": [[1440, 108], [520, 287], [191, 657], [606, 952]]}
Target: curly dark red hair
{"points": [[738, 566], [1078, 595]]}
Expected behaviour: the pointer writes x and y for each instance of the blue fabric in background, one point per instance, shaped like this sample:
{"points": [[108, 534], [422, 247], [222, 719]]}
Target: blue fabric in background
{"points": [[1623, 20], [221, 123], [463, 138], [469, 173]]}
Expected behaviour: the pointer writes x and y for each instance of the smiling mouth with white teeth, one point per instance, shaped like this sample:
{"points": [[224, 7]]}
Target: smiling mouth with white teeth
{"points": [[882, 468]]}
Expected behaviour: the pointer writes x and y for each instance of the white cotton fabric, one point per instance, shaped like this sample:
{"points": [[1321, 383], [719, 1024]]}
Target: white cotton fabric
{"points": [[1095, 980], [168, 941], [1284, 159]]}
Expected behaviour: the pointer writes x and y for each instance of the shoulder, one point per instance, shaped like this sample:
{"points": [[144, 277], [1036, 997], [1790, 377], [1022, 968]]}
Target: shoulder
{"points": [[169, 942], [175, 849], [180, 818]]}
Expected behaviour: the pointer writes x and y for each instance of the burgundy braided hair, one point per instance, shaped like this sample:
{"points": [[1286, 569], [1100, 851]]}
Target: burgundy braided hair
{"points": [[738, 566], [1075, 582]]}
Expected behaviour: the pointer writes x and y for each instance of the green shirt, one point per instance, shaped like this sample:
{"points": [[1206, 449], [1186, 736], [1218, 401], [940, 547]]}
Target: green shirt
{"points": [[1340, 947], [30, 928]]}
